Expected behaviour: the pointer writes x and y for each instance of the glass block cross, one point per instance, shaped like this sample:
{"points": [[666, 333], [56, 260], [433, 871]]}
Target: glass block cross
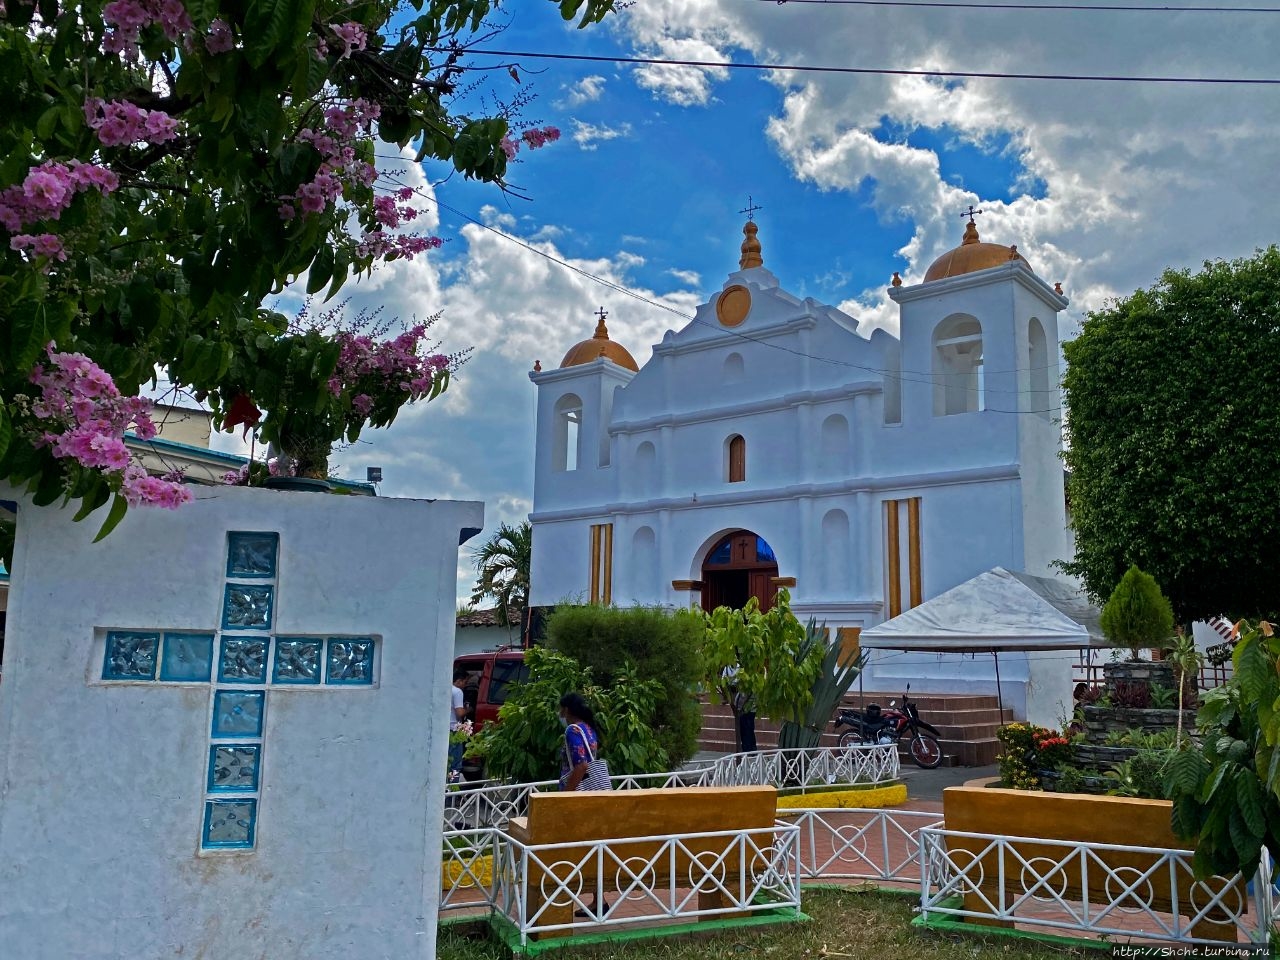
{"points": [[241, 660]]}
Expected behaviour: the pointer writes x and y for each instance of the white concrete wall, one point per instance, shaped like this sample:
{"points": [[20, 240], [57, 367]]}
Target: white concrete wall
{"points": [[102, 784], [481, 639]]}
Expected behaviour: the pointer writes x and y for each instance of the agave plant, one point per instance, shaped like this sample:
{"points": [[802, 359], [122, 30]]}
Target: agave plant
{"points": [[831, 685]]}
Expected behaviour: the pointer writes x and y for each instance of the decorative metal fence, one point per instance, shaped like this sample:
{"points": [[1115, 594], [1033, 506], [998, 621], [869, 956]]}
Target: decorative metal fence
{"points": [[1091, 889], [882, 846], [490, 803], [557, 888]]}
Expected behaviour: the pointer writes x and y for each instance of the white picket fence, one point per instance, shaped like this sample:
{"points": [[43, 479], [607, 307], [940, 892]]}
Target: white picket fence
{"points": [[487, 804], [1048, 892]]}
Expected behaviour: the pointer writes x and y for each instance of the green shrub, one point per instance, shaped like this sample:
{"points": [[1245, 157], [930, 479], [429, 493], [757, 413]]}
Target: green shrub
{"points": [[525, 744], [661, 645], [1142, 775], [1137, 615]]}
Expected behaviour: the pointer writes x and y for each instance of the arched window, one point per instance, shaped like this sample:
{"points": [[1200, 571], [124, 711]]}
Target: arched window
{"points": [[734, 369], [646, 472], [737, 457], [833, 448], [1039, 400], [568, 433], [957, 366]]}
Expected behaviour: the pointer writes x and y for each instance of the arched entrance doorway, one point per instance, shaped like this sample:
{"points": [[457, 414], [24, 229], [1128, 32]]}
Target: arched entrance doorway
{"points": [[740, 566]]}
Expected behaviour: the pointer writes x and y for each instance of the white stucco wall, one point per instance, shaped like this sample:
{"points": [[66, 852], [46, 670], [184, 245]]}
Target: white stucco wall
{"points": [[102, 784]]}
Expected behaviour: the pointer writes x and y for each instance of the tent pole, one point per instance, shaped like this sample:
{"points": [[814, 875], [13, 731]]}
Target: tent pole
{"points": [[995, 655]]}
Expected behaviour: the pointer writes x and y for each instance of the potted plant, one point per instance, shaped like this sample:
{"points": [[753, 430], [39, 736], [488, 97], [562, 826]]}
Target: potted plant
{"points": [[311, 383], [1137, 615]]}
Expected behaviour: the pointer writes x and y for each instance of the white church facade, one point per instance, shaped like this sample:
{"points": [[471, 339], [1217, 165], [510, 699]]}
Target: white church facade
{"points": [[772, 442]]}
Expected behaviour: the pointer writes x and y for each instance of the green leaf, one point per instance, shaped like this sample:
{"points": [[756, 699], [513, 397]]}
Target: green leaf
{"points": [[1249, 796], [6, 430], [96, 497], [321, 270], [119, 508]]}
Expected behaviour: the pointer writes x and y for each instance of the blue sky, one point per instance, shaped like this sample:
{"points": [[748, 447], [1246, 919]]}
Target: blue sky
{"points": [[1100, 186]]}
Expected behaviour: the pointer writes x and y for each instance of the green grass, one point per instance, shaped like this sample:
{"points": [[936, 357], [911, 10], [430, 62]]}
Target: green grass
{"points": [[862, 925]]}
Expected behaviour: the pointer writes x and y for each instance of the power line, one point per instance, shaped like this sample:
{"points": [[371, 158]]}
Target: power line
{"points": [[636, 295], [1095, 7], [876, 71]]}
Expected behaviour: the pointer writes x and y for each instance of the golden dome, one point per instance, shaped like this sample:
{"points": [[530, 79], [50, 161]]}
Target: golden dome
{"points": [[599, 346], [972, 255]]}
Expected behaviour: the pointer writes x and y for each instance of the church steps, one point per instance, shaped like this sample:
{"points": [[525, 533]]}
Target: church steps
{"points": [[967, 724]]}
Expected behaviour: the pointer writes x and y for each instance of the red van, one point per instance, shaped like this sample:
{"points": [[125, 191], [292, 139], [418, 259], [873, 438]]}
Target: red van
{"points": [[491, 676]]}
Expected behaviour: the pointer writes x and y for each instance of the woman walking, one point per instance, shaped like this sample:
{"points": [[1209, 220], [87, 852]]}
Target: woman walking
{"points": [[581, 743], [581, 751]]}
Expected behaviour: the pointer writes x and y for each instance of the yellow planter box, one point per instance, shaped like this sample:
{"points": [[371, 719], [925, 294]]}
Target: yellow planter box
{"points": [[1124, 821], [453, 874]]}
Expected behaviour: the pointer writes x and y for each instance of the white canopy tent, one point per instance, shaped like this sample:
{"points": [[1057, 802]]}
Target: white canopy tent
{"points": [[995, 612]]}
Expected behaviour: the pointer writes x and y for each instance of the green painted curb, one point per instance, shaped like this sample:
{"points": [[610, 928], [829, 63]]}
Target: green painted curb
{"points": [[945, 924], [509, 934]]}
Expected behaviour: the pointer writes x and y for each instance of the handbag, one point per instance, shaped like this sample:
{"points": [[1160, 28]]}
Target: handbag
{"points": [[597, 777]]}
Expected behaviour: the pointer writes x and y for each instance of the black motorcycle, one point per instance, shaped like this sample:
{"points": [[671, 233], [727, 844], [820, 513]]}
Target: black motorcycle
{"points": [[873, 725]]}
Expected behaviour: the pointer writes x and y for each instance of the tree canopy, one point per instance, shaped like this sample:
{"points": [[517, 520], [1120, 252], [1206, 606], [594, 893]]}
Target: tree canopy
{"points": [[1174, 408], [168, 165]]}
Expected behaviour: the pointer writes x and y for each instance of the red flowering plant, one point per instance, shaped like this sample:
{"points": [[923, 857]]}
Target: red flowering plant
{"points": [[326, 378], [1029, 749]]}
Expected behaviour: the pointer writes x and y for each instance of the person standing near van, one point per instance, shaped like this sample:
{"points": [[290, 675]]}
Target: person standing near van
{"points": [[457, 713]]}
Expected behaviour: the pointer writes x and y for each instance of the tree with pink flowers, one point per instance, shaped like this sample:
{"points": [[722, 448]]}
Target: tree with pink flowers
{"points": [[167, 166]]}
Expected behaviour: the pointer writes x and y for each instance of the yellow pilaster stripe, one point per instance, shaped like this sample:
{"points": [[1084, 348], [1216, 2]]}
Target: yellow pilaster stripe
{"points": [[595, 563], [608, 564], [913, 557], [895, 560]]}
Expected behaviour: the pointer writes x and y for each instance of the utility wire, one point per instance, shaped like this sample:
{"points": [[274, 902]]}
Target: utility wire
{"points": [[877, 71], [1093, 7], [927, 379]]}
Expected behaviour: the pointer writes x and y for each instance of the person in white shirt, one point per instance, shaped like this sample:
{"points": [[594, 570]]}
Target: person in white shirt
{"points": [[457, 714]]}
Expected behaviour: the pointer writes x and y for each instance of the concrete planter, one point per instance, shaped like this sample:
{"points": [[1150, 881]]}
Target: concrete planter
{"points": [[1081, 818]]}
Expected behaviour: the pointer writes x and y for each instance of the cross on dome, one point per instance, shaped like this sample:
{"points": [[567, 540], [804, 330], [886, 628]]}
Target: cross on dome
{"points": [[751, 208]]}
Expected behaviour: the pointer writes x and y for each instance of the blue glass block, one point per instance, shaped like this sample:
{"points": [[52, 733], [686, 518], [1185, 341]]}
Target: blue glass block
{"points": [[247, 607], [297, 661], [234, 767], [350, 660], [229, 824], [243, 660], [252, 554], [187, 656], [130, 655], [238, 713]]}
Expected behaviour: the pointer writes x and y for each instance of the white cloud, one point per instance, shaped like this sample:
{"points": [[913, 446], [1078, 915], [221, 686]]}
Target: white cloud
{"points": [[588, 136], [690, 278], [586, 90], [1136, 177]]}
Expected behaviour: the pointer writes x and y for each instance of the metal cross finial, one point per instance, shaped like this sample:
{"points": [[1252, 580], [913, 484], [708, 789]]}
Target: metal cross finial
{"points": [[601, 314], [970, 213], [751, 208]]}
